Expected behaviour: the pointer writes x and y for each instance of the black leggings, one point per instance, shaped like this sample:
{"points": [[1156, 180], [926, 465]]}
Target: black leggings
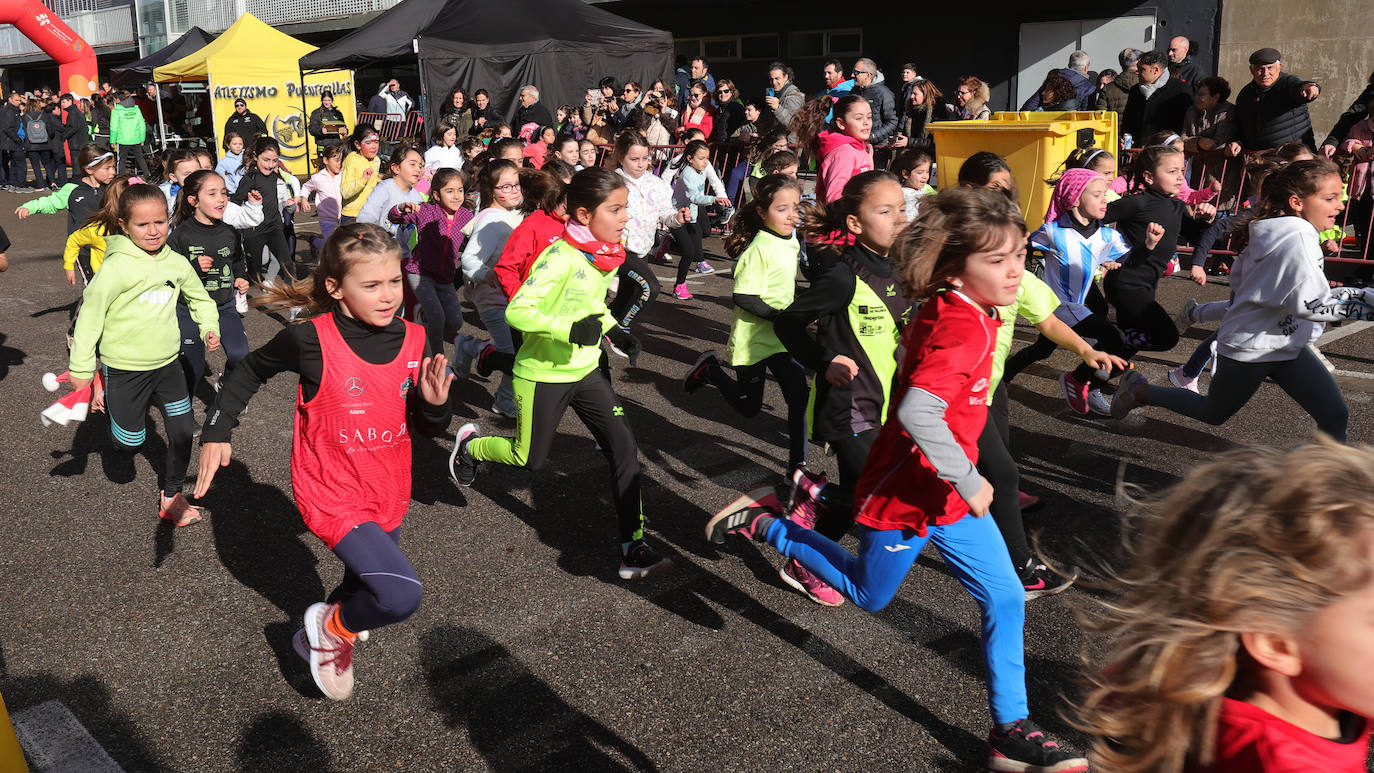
{"points": [[638, 288], [1146, 325], [541, 406], [131, 157], [273, 237], [997, 465], [231, 335], [128, 394], [837, 512], [1097, 327], [688, 237], [379, 585], [746, 396]]}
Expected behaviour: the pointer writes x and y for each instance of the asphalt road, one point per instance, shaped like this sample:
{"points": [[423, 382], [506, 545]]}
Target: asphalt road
{"points": [[173, 648]]}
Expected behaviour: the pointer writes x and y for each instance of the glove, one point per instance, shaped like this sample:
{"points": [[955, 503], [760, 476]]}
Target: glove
{"points": [[586, 331]]}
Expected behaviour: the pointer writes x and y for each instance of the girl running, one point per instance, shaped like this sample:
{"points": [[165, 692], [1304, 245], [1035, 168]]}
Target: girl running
{"points": [[651, 208], [231, 167], [842, 150], [216, 253], [765, 247], [91, 235], [179, 165], [561, 310], [366, 380], [260, 177], [1238, 638], [859, 313], [965, 254], [498, 185], [361, 172], [1281, 300], [129, 314], [440, 238], [1077, 246], [80, 200], [689, 193], [323, 187]]}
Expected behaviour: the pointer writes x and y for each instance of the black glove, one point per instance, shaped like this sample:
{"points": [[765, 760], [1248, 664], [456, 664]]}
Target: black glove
{"points": [[586, 331]]}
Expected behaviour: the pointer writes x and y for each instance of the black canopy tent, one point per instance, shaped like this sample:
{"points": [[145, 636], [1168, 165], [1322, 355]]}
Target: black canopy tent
{"points": [[562, 47], [139, 72]]}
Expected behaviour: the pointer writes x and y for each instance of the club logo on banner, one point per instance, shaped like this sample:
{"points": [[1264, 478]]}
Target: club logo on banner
{"points": [[280, 107]]}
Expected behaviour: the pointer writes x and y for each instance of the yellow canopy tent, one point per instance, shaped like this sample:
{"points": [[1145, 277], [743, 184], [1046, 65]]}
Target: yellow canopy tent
{"points": [[253, 61]]}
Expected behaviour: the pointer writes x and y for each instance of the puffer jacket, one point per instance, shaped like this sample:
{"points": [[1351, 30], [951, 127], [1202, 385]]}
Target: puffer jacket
{"points": [[1267, 118]]}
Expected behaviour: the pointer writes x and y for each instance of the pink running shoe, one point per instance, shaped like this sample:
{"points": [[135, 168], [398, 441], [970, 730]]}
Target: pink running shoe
{"points": [[742, 515], [804, 502], [801, 578], [681, 293], [1075, 392]]}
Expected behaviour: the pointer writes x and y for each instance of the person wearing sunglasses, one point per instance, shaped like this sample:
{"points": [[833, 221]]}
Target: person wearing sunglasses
{"points": [[630, 97], [869, 85], [729, 109]]}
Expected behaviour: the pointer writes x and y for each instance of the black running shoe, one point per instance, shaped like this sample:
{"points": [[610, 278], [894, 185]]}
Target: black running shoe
{"points": [[1039, 581], [641, 561], [740, 516], [1024, 748], [696, 377], [461, 466]]}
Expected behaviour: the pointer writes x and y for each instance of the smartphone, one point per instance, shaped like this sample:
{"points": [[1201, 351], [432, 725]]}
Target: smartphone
{"points": [[594, 94], [770, 92]]}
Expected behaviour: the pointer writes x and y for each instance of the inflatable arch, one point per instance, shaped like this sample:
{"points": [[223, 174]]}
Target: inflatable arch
{"points": [[75, 59]]}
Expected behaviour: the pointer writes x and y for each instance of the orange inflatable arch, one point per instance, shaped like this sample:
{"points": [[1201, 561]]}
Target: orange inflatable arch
{"points": [[76, 69]]}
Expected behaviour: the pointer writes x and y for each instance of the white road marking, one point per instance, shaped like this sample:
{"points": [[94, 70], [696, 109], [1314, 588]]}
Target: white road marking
{"points": [[1337, 333], [1354, 374]]}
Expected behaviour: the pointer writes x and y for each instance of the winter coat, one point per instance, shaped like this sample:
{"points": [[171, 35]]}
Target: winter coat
{"points": [[1361, 135], [1267, 118], [884, 111], [1164, 109], [10, 117], [1082, 88], [535, 113], [1114, 95], [459, 119], [318, 117], [842, 157], [1353, 115], [126, 124], [790, 100], [1217, 125], [76, 131], [246, 126]]}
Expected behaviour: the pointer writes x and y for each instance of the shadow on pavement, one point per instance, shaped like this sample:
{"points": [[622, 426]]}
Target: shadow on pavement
{"points": [[513, 719], [89, 700], [277, 741]]}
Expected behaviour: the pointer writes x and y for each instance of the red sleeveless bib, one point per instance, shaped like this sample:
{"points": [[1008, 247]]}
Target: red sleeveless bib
{"points": [[350, 455]]}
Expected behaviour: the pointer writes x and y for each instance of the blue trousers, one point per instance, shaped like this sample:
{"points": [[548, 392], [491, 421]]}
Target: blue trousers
{"points": [[379, 586], [971, 547]]}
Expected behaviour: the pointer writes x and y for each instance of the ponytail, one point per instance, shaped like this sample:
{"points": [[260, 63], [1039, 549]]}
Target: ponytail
{"points": [[348, 245], [748, 220]]}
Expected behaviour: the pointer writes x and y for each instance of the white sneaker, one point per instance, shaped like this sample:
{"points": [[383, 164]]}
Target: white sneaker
{"points": [[240, 302], [1098, 403], [1179, 379]]}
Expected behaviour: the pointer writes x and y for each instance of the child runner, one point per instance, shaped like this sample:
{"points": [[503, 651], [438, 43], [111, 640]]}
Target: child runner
{"points": [[859, 313], [498, 184], [366, 380], [129, 314], [689, 193], [91, 235], [360, 172], [842, 150], [80, 199], [765, 247], [1076, 246], [406, 168], [651, 208], [439, 235], [215, 251], [179, 164], [260, 177], [1238, 637], [965, 254], [1281, 298], [912, 167], [323, 187], [561, 310], [230, 167]]}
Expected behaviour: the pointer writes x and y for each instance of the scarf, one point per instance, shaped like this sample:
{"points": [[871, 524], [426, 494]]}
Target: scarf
{"points": [[1068, 190], [603, 255]]}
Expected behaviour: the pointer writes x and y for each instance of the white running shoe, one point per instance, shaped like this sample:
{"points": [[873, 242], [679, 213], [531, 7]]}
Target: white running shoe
{"points": [[1180, 379], [240, 302], [1098, 403]]}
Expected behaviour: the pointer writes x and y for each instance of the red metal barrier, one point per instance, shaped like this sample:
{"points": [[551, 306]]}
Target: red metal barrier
{"points": [[394, 131]]}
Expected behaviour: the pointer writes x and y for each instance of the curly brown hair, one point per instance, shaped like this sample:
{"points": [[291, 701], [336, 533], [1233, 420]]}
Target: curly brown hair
{"points": [[1059, 86]]}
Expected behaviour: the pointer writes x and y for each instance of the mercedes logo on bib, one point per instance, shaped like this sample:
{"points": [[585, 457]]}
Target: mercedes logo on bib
{"points": [[353, 386]]}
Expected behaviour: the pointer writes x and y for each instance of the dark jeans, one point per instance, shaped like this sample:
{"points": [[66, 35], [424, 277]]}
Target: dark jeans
{"points": [[41, 161], [1305, 380], [440, 311], [130, 157]]}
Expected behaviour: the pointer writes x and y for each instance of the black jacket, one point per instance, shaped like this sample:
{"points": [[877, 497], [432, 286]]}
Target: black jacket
{"points": [[318, 117], [1270, 117], [490, 113], [535, 114], [884, 111], [246, 126], [76, 132], [1356, 113], [9, 127], [1187, 72], [1142, 268], [1165, 109]]}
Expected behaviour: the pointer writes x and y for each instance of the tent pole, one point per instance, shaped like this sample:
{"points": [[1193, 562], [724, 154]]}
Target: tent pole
{"points": [[161, 125], [424, 94], [309, 161]]}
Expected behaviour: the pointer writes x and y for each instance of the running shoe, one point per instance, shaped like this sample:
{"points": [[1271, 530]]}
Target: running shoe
{"points": [[1024, 748], [1075, 392], [1123, 402], [177, 510], [696, 377], [240, 303], [739, 516], [681, 292], [1180, 379], [1039, 581], [803, 504], [485, 360], [640, 561], [331, 657], [509, 413], [702, 267], [1184, 319], [462, 467], [811, 586], [1098, 403], [465, 350], [301, 643], [1028, 502]]}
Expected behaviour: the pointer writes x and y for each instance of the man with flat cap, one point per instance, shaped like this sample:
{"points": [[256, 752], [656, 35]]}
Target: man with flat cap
{"points": [[1272, 108]]}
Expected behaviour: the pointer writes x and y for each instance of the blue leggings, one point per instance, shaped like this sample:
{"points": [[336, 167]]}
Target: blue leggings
{"points": [[971, 547], [379, 585]]}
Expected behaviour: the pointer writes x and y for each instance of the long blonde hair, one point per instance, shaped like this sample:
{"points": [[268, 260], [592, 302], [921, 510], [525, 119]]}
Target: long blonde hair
{"points": [[348, 245], [1256, 541]]}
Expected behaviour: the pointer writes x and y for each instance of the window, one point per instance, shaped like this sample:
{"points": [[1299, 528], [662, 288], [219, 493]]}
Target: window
{"points": [[731, 48], [844, 42], [807, 44], [720, 49], [817, 44]]}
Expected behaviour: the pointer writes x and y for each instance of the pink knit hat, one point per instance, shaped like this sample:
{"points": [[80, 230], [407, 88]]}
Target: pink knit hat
{"points": [[1068, 191]]}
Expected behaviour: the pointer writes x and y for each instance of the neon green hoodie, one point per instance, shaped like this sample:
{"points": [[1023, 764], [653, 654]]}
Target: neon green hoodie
{"points": [[563, 287], [129, 309]]}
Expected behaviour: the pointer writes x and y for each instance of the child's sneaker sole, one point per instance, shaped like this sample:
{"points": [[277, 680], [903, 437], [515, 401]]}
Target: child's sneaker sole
{"points": [[764, 496]]}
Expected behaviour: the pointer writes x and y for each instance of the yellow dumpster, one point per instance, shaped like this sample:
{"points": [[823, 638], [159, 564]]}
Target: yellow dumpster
{"points": [[1034, 145], [11, 756]]}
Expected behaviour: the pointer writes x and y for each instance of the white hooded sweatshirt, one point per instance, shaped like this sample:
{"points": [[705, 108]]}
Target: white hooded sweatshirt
{"points": [[1281, 294]]}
